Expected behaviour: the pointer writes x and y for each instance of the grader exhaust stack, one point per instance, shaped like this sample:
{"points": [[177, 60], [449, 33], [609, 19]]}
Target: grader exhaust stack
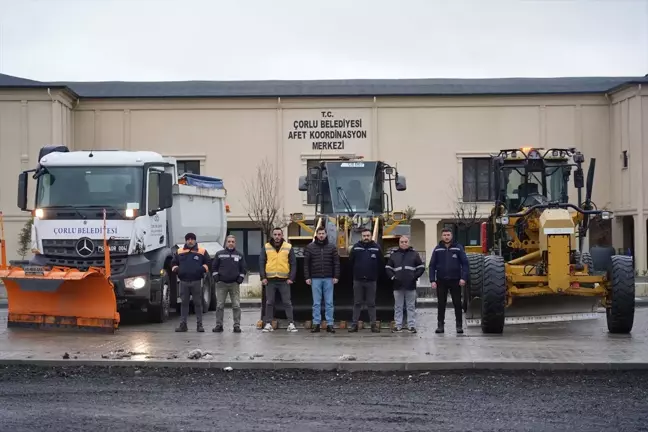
{"points": [[532, 267], [60, 296]]}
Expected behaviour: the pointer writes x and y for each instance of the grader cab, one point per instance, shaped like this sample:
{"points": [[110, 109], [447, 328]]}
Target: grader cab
{"points": [[351, 195], [532, 267]]}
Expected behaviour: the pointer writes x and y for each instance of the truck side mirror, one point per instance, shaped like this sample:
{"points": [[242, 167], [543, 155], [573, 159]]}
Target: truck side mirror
{"points": [[166, 191], [22, 191], [303, 184], [401, 182]]}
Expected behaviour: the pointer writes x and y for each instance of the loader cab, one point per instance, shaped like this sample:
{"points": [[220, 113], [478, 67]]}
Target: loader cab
{"points": [[348, 187], [528, 177]]}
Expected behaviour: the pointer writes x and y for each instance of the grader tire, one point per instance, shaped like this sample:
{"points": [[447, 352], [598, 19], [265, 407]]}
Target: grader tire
{"points": [[621, 310], [586, 259], [476, 275], [493, 295]]}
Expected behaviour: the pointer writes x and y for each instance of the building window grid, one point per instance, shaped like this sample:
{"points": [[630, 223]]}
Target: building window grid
{"points": [[188, 166], [478, 180]]}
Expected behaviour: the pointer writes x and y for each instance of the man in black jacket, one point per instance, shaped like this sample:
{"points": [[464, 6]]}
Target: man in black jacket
{"points": [[367, 262], [404, 267], [322, 271], [228, 269], [448, 273], [190, 263]]}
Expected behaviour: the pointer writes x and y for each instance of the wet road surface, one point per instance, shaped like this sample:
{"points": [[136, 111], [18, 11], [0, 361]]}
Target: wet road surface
{"points": [[125, 398]]}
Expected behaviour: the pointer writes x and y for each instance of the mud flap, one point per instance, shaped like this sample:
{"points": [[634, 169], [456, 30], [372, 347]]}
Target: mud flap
{"points": [[61, 298], [541, 309]]}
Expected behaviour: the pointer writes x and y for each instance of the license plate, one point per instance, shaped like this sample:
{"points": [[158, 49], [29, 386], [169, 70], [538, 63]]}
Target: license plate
{"points": [[34, 270]]}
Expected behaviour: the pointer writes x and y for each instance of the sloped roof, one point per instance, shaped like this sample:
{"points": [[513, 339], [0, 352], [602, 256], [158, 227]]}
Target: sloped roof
{"points": [[331, 88]]}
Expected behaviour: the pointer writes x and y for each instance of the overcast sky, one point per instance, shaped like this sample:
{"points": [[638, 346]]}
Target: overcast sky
{"points": [[151, 40]]}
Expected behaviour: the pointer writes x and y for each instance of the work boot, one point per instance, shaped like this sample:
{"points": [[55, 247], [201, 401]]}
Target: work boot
{"points": [[218, 329], [353, 328], [316, 328], [200, 328], [375, 328], [330, 329], [412, 329], [459, 329], [439, 329], [237, 329], [181, 328]]}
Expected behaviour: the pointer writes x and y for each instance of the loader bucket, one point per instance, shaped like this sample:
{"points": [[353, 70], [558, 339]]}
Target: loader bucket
{"points": [[61, 298], [302, 298], [540, 309]]}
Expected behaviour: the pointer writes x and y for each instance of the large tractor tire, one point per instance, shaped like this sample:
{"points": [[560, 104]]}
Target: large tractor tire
{"points": [[476, 275], [159, 313], [621, 295], [493, 295]]}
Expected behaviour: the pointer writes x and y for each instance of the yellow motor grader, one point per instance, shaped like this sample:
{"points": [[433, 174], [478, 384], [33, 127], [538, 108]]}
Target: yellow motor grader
{"points": [[351, 195], [532, 267]]}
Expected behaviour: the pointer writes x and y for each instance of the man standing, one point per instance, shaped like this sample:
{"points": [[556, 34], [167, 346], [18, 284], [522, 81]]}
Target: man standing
{"points": [[228, 269], [404, 267], [322, 271], [367, 262], [190, 263], [278, 268], [448, 273]]}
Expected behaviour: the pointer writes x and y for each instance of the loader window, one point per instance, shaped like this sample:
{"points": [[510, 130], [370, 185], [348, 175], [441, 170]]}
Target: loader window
{"points": [[153, 202], [351, 186], [89, 186]]}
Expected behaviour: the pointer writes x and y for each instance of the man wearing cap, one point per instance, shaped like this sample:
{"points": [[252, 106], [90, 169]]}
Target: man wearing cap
{"points": [[190, 263]]}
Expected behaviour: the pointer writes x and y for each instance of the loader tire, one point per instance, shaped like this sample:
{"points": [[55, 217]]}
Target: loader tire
{"points": [[476, 275], [621, 295], [159, 313], [493, 295]]}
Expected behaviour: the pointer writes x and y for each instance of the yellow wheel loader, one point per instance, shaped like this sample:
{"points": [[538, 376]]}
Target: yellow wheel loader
{"points": [[532, 267], [351, 195]]}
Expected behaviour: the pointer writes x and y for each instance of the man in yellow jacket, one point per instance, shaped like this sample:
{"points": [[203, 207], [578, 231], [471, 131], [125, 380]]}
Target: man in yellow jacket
{"points": [[278, 269]]}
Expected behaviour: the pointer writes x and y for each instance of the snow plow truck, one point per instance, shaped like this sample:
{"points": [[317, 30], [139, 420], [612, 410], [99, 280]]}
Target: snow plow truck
{"points": [[105, 227]]}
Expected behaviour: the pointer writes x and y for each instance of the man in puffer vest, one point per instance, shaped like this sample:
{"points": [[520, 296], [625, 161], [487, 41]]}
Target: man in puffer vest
{"points": [[322, 272], [278, 269]]}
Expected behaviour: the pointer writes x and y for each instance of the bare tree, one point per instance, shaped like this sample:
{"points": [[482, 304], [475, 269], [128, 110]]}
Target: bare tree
{"points": [[465, 214], [263, 198]]}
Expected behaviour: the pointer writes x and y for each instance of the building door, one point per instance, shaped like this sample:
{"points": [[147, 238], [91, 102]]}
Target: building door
{"points": [[248, 242]]}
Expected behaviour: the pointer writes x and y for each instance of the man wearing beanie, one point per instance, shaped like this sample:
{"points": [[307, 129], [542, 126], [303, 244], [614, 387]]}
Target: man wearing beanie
{"points": [[190, 264]]}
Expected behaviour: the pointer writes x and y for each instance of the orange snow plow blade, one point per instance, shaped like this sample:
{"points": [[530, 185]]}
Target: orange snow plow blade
{"points": [[60, 297]]}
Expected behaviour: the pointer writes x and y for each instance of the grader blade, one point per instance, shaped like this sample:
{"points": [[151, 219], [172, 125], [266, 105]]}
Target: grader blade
{"points": [[60, 298], [541, 309]]}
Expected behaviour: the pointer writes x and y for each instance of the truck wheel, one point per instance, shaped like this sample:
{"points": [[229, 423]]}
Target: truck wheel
{"points": [[493, 295], [621, 295], [159, 313]]}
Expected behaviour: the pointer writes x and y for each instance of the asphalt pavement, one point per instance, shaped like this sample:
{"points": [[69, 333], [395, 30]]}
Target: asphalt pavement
{"points": [[126, 398]]}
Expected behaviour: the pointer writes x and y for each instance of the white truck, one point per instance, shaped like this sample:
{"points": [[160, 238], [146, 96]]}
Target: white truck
{"points": [[149, 209]]}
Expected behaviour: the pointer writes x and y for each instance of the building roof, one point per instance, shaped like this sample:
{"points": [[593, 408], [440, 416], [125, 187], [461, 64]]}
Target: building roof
{"points": [[332, 88]]}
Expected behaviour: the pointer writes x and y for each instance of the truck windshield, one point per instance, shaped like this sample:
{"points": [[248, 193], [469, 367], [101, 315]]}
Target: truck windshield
{"points": [[351, 185], [519, 189], [90, 186]]}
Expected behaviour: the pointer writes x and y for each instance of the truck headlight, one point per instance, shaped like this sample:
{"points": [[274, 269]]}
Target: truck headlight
{"points": [[39, 213], [606, 215], [136, 282]]}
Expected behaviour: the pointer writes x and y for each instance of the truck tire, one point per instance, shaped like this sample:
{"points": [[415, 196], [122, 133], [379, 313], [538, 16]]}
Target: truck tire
{"points": [[621, 295], [206, 294], [493, 295], [159, 313]]}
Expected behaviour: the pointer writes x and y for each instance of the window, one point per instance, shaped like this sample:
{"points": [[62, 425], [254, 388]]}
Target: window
{"points": [[466, 235], [312, 186], [188, 166], [625, 158], [153, 187], [478, 180]]}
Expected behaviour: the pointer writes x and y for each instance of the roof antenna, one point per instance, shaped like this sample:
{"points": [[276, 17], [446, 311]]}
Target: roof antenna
{"points": [[91, 155]]}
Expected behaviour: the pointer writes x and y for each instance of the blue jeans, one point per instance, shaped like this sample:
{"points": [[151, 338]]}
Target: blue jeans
{"points": [[323, 286]]}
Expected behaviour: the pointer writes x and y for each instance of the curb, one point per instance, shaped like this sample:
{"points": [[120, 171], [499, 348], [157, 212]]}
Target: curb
{"points": [[342, 366]]}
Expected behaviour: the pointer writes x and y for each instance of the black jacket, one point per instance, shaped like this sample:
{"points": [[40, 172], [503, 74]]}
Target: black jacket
{"points": [[366, 261], [192, 263], [448, 263], [229, 266], [321, 260], [404, 267]]}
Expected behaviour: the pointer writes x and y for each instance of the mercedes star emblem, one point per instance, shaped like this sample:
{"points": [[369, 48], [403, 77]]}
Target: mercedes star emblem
{"points": [[85, 247]]}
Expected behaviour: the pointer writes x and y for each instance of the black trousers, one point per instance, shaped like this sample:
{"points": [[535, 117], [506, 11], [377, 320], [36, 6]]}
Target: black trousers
{"points": [[443, 287]]}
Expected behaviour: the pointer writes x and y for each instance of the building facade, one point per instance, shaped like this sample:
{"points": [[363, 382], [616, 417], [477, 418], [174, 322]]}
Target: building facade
{"points": [[438, 133]]}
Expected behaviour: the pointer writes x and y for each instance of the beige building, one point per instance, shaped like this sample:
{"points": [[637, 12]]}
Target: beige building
{"points": [[437, 132]]}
